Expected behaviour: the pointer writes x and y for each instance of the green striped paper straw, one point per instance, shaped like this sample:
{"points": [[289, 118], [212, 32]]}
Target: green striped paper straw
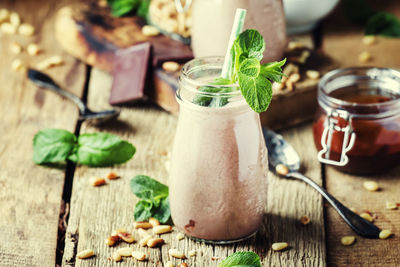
{"points": [[237, 28]]}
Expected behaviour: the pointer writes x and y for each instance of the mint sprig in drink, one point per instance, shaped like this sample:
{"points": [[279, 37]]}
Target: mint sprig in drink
{"points": [[219, 159]]}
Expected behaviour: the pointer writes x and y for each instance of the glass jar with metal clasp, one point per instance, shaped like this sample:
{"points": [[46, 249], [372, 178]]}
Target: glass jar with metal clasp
{"points": [[357, 125]]}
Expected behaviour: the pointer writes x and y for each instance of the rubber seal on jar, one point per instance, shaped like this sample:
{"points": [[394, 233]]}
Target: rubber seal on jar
{"points": [[332, 125]]}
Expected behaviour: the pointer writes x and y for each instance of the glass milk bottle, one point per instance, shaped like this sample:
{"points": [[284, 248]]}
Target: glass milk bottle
{"points": [[219, 160]]}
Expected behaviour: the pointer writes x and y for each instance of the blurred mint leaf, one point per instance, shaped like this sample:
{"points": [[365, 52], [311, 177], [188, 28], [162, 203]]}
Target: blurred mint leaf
{"points": [[243, 259], [383, 23]]}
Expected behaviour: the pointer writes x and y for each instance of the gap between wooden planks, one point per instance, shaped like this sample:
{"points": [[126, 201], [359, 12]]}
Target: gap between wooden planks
{"points": [[96, 212], [30, 195]]}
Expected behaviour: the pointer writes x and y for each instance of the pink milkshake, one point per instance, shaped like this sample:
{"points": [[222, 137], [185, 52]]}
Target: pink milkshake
{"points": [[219, 162]]}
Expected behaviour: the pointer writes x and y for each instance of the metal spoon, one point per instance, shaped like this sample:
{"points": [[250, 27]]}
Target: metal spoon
{"points": [[281, 152], [44, 81]]}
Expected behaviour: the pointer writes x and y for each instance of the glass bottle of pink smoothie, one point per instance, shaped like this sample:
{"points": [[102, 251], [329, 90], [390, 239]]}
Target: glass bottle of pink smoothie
{"points": [[212, 23], [219, 159]]}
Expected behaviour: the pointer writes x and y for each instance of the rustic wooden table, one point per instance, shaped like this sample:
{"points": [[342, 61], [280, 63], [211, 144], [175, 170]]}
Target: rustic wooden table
{"points": [[37, 203]]}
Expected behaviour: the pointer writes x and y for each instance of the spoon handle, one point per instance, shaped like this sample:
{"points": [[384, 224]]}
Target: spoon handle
{"points": [[44, 81], [358, 224]]}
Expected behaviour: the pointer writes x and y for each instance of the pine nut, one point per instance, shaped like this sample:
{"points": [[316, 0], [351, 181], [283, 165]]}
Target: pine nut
{"points": [[127, 237], [17, 65], [111, 240], [170, 66], [290, 68], [143, 233], [15, 48], [143, 225], [149, 30], [139, 255], [282, 169], [293, 45], [183, 264], [371, 186], [162, 229], [279, 246], [369, 39], [97, 181], [4, 15], [348, 240], [176, 253], [364, 57], [192, 253], [26, 29], [112, 176], [366, 216], [143, 242], [305, 220], [391, 205], [155, 242], [384, 234], [33, 49], [180, 236], [290, 85], [50, 62], [169, 264], [116, 256], [15, 20], [85, 254], [8, 28], [276, 87], [154, 222], [312, 74], [353, 209], [125, 252], [295, 77]]}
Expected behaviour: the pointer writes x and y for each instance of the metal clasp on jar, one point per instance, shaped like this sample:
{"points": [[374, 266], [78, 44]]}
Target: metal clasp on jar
{"points": [[331, 125]]}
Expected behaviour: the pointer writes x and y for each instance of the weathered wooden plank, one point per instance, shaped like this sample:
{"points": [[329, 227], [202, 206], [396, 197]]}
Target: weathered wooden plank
{"points": [[365, 252], [30, 196], [96, 212]]}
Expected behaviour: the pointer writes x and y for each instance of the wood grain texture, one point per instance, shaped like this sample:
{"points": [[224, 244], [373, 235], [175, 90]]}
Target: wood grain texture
{"points": [[96, 212], [365, 252], [30, 195]]}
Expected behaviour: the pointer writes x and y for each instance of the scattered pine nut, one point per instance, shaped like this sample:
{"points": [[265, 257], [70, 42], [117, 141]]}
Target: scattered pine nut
{"points": [[127, 237], [143, 242], [276, 87], [366, 216], [312, 74], [139, 255], [215, 258], [8, 28], [369, 39], [176, 253], [371, 186], [15, 48], [290, 68], [293, 45], [125, 251], [169, 264], [33, 49], [183, 264], [391, 205], [295, 77], [282, 169], [112, 176], [85, 254], [4, 15], [17, 65], [15, 20], [155, 242], [26, 29], [304, 56], [162, 229], [305, 220], [50, 62], [111, 240], [148, 30], [348, 240], [143, 225], [353, 209], [180, 236], [154, 222], [98, 181], [384, 234], [143, 233], [170, 66], [290, 85], [364, 57], [279, 246], [116, 257], [192, 253]]}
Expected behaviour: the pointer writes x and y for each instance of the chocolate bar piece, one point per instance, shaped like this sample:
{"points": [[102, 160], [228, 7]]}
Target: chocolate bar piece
{"points": [[131, 66]]}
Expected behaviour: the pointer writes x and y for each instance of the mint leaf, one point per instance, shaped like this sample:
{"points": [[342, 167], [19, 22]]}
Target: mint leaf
{"points": [[250, 44], [154, 199], [383, 23], [122, 7], [102, 149], [243, 258], [257, 91], [273, 70], [52, 146]]}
